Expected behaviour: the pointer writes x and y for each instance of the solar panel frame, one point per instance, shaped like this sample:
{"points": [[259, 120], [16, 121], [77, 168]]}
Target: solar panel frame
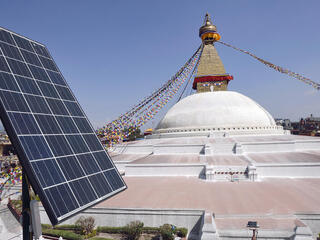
{"points": [[20, 140]]}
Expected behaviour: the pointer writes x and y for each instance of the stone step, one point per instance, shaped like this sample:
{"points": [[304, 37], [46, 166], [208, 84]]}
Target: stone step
{"points": [[223, 148]]}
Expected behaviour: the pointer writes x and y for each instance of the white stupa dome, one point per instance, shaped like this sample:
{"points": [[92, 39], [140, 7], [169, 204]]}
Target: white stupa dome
{"points": [[217, 111]]}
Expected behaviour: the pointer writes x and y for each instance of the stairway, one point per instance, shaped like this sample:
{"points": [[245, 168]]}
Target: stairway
{"points": [[226, 173]]}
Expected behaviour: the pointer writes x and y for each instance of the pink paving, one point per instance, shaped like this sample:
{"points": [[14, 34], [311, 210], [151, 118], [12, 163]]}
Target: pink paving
{"points": [[272, 138], [288, 223], [154, 159], [286, 157], [126, 157], [224, 160], [276, 196], [164, 141]]}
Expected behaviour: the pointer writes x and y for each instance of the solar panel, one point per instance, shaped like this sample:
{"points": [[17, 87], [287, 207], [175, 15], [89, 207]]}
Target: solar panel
{"points": [[57, 146]]}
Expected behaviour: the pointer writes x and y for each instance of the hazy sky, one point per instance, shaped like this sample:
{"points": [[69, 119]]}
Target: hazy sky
{"points": [[114, 53]]}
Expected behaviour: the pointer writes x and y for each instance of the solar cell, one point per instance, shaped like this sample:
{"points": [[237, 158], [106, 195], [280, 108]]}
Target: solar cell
{"points": [[28, 85], [3, 65], [19, 68], [10, 51], [82, 125], [7, 82], [57, 146], [5, 36], [67, 125], [39, 73], [48, 89], [56, 78], [30, 58], [64, 93]]}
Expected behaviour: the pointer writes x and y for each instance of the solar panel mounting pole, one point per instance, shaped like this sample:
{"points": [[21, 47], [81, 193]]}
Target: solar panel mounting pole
{"points": [[27, 235]]}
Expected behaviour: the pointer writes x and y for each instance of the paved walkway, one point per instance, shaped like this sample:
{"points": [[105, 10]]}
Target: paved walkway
{"points": [[10, 229]]}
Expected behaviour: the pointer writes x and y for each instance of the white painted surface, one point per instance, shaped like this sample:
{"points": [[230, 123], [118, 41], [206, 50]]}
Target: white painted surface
{"points": [[312, 221], [225, 124], [190, 219], [221, 109], [303, 170], [188, 170], [195, 221], [178, 148]]}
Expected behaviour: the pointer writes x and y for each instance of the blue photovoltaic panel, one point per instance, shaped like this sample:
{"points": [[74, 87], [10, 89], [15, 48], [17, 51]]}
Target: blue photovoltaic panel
{"points": [[56, 144]]}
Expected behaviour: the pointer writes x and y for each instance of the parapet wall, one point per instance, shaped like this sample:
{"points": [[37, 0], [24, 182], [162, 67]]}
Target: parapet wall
{"points": [[179, 150], [196, 223], [152, 170], [112, 217]]}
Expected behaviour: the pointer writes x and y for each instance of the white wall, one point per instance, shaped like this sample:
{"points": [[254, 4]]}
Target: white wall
{"points": [[189, 219], [288, 170], [193, 170]]}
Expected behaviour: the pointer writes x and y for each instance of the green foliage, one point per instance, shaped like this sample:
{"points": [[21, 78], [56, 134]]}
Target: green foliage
{"points": [[173, 228], [62, 233], [66, 231], [17, 204], [182, 232], [166, 232], [121, 230], [46, 226], [99, 238], [112, 230], [85, 225], [133, 230], [34, 196], [90, 235], [151, 230], [68, 227]]}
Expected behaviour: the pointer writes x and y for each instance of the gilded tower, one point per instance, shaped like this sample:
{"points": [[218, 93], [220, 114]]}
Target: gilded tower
{"points": [[211, 75]]}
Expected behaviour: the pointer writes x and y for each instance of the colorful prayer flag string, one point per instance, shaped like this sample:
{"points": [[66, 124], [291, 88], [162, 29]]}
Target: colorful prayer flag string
{"points": [[146, 109], [277, 68]]}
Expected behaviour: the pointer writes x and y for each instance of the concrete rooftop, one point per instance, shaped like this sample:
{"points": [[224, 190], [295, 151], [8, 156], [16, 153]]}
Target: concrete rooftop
{"points": [[269, 197]]}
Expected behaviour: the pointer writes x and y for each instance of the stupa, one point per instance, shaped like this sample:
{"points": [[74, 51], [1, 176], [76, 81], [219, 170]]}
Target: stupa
{"points": [[214, 109], [216, 161]]}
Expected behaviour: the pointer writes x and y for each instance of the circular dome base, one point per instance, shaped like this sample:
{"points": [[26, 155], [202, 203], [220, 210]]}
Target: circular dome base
{"points": [[220, 111]]}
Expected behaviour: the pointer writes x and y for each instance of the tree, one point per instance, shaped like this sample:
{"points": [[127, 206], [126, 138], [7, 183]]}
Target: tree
{"points": [[133, 230], [167, 232], [85, 225]]}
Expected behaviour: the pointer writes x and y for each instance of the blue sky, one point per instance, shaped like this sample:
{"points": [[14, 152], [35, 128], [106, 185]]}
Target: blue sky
{"points": [[114, 53]]}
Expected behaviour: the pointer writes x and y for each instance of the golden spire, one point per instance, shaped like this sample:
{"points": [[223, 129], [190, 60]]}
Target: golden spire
{"points": [[211, 74], [208, 31]]}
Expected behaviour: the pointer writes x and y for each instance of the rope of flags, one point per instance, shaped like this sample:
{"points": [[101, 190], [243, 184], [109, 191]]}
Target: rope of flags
{"points": [[277, 68], [10, 177], [129, 122]]}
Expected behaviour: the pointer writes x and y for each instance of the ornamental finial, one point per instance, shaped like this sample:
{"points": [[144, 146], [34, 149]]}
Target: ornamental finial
{"points": [[208, 31]]}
